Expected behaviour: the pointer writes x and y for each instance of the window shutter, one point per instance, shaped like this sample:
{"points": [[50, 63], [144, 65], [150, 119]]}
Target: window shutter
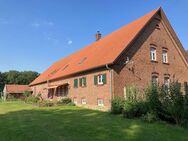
{"points": [[95, 79], [186, 88], [80, 82], [104, 78], [75, 83], [84, 79]]}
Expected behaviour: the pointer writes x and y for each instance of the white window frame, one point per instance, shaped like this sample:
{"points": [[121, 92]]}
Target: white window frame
{"points": [[165, 56], [100, 79], [156, 77], [153, 54], [100, 102], [82, 81], [75, 100], [83, 101], [167, 79]]}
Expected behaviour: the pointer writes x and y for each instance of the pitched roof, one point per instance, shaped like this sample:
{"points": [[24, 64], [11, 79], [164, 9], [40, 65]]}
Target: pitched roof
{"points": [[17, 88], [102, 52]]}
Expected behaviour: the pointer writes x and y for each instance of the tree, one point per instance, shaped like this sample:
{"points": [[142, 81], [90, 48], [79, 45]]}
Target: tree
{"points": [[2, 81], [16, 77]]}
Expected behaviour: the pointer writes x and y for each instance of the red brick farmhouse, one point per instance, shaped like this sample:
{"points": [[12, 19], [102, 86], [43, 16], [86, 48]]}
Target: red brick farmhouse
{"points": [[144, 51]]}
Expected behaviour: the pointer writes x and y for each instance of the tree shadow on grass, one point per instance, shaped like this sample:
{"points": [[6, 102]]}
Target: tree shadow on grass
{"points": [[77, 124]]}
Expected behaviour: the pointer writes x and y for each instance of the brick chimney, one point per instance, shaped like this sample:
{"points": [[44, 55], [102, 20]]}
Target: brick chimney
{"points": [[98, 35]]}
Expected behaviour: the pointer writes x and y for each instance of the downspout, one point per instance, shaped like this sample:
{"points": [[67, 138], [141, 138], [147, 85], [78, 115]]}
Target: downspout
{"points": [[110, 70]]}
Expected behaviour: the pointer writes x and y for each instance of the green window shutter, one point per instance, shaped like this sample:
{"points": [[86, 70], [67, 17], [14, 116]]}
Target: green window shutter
{"points": [[104, 78], [84, 79], [95, 79], [80, 82], [186, 88], [75, 83]]}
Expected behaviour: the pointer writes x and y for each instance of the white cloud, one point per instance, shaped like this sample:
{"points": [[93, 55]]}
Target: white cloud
{"points": [[69, 42], [36, 25], [49, 23], [53, 41], [41, 24]]}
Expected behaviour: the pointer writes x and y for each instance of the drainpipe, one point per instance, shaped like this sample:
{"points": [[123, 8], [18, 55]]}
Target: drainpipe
{"points": [[110, 70]]}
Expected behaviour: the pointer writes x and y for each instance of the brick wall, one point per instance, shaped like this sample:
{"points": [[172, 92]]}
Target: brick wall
{"points": [[139, 70], [91, 92]]}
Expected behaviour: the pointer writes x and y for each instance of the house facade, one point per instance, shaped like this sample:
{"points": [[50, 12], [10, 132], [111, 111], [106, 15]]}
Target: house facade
{"points": [[144, 51]]}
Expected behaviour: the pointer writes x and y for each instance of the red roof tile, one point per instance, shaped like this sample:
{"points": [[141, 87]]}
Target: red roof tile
{"points": [[102, 52], [17, 88]]}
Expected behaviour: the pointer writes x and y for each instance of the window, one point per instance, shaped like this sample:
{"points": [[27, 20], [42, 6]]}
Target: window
{"points": [[75, 83], [75, 100], [154, 79], [82, 82], [153, 55], [157, 26], [164, 56], [59, 91], [167, 82], [83, 101], [100, 102], [100, 79], [50, 93]]}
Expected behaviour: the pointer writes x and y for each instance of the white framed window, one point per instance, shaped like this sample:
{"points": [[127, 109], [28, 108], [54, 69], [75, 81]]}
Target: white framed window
{"points": [[165, 56], [154, 79], [83, 101], [100, 102], [82, 83], [75, 100], [167, 81], [100, 79], [153, 54]]}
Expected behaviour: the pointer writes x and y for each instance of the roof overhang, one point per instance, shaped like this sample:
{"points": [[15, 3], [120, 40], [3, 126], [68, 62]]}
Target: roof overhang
{"points": [[56, 86]]}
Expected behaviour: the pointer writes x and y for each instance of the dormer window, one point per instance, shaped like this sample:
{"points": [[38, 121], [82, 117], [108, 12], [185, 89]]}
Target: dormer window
{"points": [[165, 56], [153, 55]]}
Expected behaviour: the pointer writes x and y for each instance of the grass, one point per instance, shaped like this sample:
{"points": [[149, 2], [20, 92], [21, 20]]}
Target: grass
{"points": [[23, 122]]}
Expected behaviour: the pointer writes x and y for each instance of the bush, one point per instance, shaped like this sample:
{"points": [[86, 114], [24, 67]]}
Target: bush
{"points": [[32, 99], [149, 117], [46, 103], [65, 101], [27, 94], [152, 94], [117, 105], [175, 103], [134, 109], [132, 94]]}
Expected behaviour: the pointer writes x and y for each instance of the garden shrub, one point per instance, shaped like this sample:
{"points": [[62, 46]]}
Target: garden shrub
{"points": [[133, 94], [65, 101], [45, 103], [27, 94], [134, 109], [149, 117], [175, 103], [32, 99], [134, 105], [117, 105], [152, 94]]}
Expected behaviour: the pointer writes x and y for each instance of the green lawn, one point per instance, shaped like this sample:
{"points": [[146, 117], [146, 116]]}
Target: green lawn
{"points": [[23, 122]]}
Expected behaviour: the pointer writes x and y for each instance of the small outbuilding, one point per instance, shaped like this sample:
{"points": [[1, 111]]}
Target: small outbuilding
{"points": [[15, 91]]}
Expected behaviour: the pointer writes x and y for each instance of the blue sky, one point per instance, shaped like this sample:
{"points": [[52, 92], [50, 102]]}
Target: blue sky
{"points": [[35, 33]]}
